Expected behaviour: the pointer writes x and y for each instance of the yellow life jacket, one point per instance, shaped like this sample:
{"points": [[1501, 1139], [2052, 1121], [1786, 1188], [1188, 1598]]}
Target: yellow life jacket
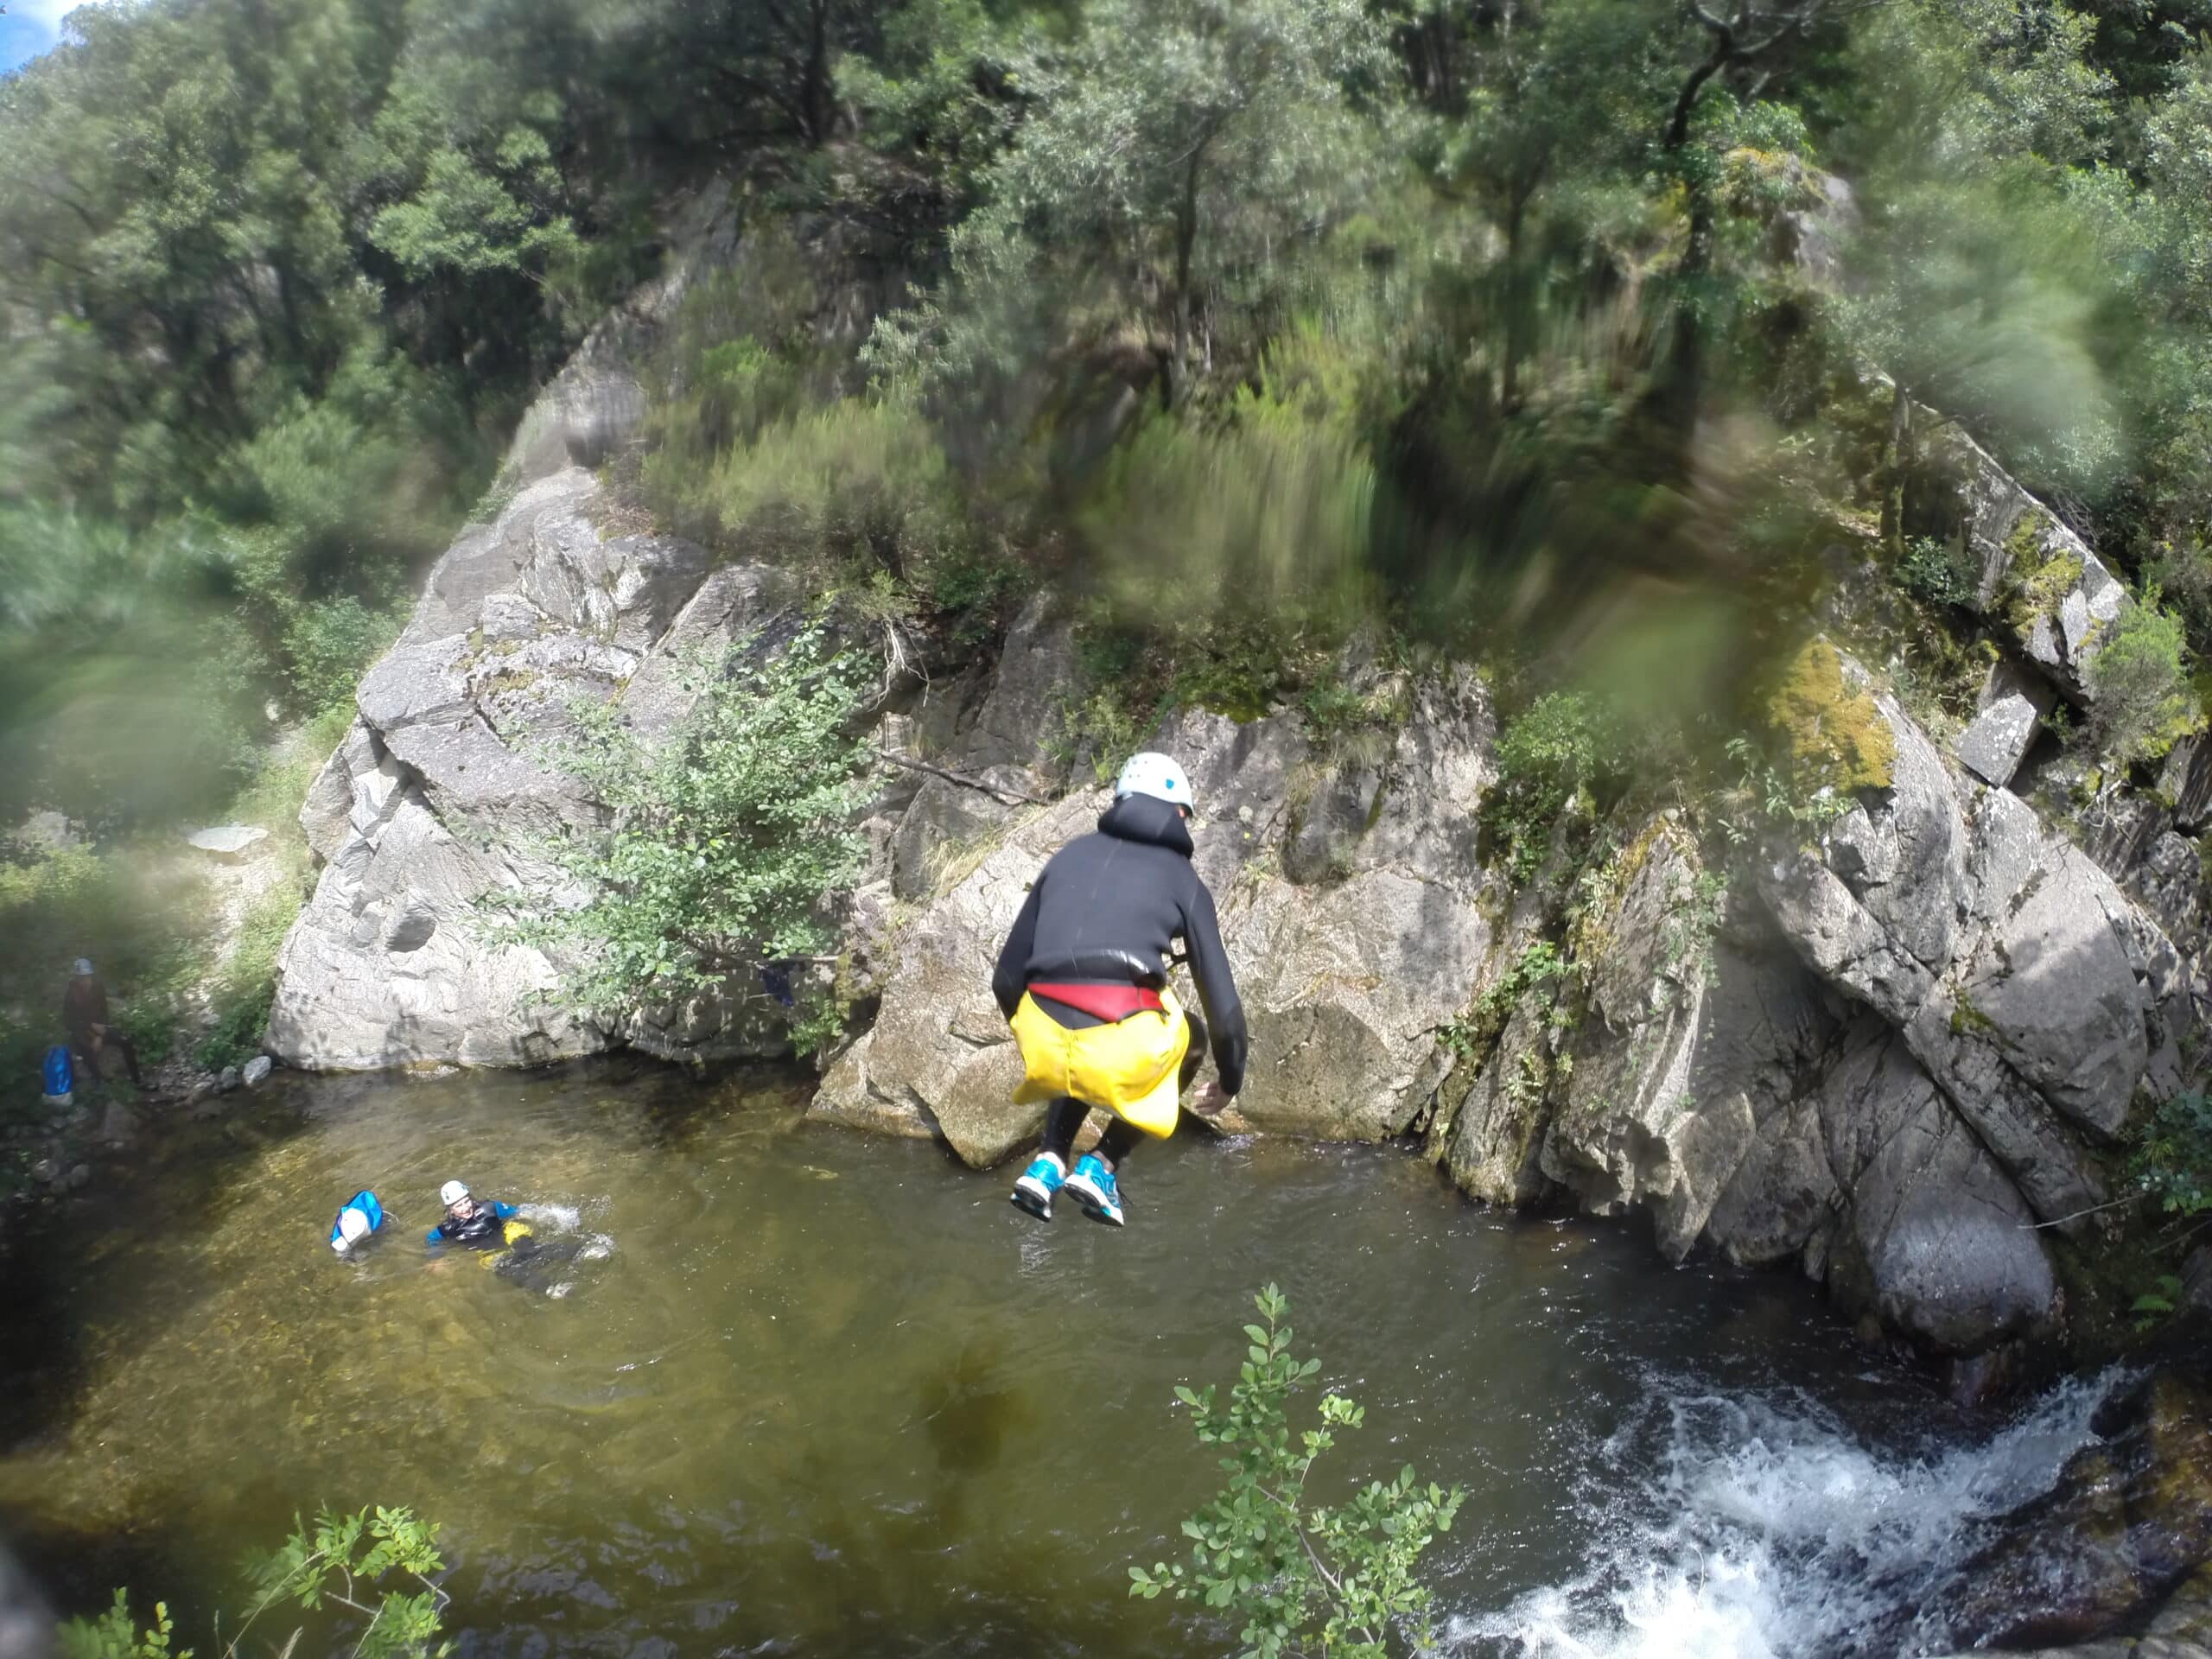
{"points": [[1130, 1067]]}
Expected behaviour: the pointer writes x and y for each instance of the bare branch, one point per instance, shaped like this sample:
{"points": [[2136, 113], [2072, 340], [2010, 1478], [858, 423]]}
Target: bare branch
{"points": [[962, 778]]}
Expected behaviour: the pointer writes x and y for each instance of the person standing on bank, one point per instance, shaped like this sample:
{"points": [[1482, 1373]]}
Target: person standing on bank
{"points": [[1082, 980], [84, 1016]]}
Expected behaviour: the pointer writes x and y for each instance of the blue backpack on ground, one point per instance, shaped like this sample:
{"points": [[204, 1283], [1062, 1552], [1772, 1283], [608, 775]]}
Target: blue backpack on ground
{"points": [[59, 1075]]}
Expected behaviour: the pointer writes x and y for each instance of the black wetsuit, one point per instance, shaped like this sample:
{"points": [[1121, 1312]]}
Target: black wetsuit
{"points": [[1106, 910], [487, 1225]]}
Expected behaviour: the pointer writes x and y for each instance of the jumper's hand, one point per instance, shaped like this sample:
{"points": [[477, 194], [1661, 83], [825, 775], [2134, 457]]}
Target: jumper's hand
{"points": [[1207, 1100]]}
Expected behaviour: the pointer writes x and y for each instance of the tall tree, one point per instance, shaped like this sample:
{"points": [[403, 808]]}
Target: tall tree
{"points": [[1176, 148]]}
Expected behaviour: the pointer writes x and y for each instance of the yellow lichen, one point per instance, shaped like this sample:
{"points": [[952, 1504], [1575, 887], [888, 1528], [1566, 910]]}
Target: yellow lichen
{"points": [[1838, 737]]}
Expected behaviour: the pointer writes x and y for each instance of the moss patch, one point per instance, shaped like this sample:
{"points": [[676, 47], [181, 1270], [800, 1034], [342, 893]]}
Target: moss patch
{"points": [[2035, 584], [1838, 737]]}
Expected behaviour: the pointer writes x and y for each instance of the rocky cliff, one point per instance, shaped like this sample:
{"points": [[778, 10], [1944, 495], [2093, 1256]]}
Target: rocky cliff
{"points": [[1896, 1050]]}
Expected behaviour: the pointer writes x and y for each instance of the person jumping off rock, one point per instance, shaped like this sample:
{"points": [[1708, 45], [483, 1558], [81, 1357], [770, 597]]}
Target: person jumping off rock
{"points": [[84, 1014], [1084, 982]]}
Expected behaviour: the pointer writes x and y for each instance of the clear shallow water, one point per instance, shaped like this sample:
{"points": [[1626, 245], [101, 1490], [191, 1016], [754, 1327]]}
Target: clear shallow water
{"points": [[825, 1394]]}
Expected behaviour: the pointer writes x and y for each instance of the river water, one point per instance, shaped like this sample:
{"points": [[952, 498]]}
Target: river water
{"points": [[802, 1392]]}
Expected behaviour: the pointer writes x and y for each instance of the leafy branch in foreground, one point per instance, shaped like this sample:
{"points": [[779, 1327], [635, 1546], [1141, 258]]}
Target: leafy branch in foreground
{"points": [[721, 843], [340, 1564], [1306, 1578]]}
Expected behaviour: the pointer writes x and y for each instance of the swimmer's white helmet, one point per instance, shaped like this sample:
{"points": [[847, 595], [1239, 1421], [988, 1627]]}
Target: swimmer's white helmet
{"points": [[1156, 775], [352, 1228], [452, 1193], [85, 966]]}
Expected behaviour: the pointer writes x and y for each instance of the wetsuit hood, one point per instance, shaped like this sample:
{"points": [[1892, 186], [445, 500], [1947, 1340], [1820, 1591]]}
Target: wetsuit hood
{"points": [[1139, 817]]}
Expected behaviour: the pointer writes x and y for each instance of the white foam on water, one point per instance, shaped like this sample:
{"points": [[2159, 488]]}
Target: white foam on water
{"points": [[560, 1217], [601, 1247], [1734, 1528]]}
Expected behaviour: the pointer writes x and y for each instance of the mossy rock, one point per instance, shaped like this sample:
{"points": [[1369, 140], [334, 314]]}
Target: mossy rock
{"points": [[1839, 736], [2036, 580]]}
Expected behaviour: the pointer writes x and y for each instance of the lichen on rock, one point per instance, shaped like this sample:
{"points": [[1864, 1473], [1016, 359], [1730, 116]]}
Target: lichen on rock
{"points": [[1835, 731]]}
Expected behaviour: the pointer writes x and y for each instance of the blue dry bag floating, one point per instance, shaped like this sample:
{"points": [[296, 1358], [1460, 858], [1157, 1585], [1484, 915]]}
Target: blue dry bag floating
{"points": [[61, 1076], [365, 1202]]}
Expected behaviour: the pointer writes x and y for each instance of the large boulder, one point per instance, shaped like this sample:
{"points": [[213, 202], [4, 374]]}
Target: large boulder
{"points": [[1693, 1034], [2036, 581], [432, 802], [1349, 973], [2024, 984]]}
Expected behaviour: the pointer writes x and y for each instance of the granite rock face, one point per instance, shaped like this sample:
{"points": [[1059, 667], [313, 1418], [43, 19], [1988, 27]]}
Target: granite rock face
{"points": [[1891, 1057], [432, 799], [1351, 955]]}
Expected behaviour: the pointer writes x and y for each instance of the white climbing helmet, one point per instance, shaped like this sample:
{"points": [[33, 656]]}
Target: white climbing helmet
{"points": [[452, 1193], [1156, 775], [84, 967], [352, 1228]]}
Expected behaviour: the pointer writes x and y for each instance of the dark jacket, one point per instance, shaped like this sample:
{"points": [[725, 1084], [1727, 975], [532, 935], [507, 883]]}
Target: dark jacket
{"points": [[1106, 910], [84, 1004], [486, 1225]]}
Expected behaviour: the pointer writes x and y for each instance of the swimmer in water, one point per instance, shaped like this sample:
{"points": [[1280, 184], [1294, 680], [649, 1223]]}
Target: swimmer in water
{"points": [[481, 1224]]}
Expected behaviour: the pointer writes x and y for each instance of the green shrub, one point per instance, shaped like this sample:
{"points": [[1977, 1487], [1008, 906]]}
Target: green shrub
{"points": [[723, 841], [328, 645], [2141, 700], [246, 985], [1267, 517], [1554, 751], [1304, 1576], [1936, 573]]}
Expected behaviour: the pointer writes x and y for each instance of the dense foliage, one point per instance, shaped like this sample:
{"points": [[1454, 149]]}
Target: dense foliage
{"points": [[1306, 1577], [1574, 330], [278, 275]]}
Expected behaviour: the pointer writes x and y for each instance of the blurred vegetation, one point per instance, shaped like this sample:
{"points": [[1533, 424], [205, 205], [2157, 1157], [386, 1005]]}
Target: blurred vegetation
{"points": [[325, 1572], [1580, 333]]}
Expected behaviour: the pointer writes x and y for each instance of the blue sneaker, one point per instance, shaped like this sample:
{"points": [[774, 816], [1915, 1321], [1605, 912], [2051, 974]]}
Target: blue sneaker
{"points": [[1093, 1186], [1033, 1190]]}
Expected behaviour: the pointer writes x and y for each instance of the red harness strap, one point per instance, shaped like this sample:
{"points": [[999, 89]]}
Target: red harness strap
{"points": [[1112, 1003]]}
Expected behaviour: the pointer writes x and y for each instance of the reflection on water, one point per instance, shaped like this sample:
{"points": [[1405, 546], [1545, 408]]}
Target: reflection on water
{"points": [[816, 1394]]}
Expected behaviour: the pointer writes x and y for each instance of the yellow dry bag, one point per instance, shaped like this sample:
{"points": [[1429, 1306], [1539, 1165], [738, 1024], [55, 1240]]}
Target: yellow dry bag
{"points": [[1130, 1067]]}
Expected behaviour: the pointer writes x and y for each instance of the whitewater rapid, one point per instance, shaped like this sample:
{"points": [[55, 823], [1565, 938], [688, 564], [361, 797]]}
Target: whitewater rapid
{"points": [[1766, 1529]]}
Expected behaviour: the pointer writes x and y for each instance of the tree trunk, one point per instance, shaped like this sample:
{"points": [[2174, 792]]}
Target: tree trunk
{"points": [[1516, 301], [1187, 239], [817, 95], [1685, 371], [1897, 466]]}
